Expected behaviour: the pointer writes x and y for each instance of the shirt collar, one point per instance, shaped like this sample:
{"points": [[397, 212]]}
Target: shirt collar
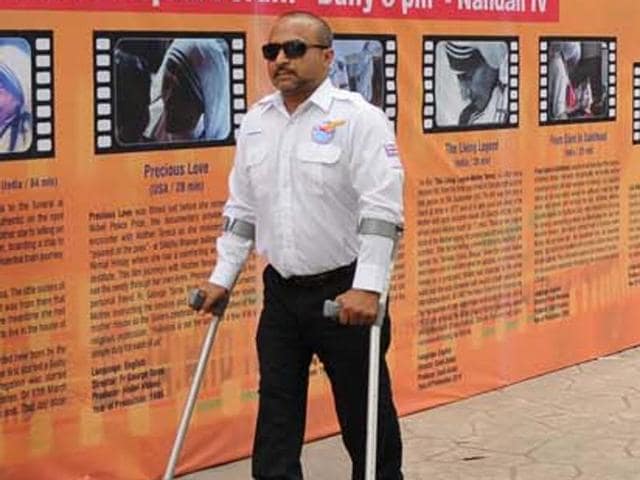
{"points": [[322, 97]]}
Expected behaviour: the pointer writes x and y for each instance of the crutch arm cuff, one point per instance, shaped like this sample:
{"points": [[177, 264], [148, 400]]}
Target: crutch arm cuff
{"points": [[239, 227], [382, 228]]}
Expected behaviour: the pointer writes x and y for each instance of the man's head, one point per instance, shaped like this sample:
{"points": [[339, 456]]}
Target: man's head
{"points": [[477, 66], [299, 53]]}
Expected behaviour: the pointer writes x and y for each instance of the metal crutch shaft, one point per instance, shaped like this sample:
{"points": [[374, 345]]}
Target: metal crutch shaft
{"points": [[374, 369], [196, 299], [332, 309], [373, 391]]}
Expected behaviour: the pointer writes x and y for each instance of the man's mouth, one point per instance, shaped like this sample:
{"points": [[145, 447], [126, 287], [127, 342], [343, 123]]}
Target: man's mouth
{"points": [[284, 73]]}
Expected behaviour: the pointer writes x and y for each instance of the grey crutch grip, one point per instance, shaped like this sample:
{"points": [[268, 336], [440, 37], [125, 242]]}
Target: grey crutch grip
{"points": [[331, 309], [197, 297]]}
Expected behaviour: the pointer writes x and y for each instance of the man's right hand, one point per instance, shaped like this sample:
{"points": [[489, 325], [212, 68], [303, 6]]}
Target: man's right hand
{"points": [[214, 294]]}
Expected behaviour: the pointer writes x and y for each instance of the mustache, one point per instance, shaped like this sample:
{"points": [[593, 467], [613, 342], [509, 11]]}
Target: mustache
{"points": [[284, 70]]}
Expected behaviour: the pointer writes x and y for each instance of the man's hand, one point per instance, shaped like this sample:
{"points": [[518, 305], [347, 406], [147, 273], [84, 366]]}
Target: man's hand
{"points": [[358, 307], [214, 294]]}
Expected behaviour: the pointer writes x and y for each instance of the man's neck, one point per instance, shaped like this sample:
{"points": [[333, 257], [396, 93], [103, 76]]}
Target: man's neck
{"points": [[293, 100]]}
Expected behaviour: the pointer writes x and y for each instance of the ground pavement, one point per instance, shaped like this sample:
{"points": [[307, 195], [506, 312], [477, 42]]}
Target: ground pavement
{"points": [[579, 423]]}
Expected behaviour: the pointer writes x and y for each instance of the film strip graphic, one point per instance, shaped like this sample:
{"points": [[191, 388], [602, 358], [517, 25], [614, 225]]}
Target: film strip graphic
{"points": [[577, 80], [636, 103], [444, 108], [29, 56], [382, 52], [108, 132]]}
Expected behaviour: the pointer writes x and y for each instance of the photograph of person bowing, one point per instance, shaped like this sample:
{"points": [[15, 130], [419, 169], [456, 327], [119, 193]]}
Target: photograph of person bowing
{"points": [[312, 163], [193, 103], [481, 70]]}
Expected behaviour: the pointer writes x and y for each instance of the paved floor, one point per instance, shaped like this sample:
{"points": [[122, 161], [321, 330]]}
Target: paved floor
{"points": [[579, 423]]}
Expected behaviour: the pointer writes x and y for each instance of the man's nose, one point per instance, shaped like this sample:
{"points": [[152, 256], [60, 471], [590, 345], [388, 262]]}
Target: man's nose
{"points": [[282, 58]]}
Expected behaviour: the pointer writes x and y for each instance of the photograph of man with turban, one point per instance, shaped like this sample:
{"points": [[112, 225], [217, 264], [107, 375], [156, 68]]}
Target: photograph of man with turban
{"points": [[15, 96], [472, 83]]}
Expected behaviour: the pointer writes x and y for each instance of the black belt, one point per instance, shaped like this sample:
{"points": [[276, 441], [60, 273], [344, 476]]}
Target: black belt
{"points": [[322, 278]]}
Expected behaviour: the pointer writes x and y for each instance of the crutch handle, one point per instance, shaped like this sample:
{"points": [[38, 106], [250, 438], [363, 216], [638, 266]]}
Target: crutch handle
{"points": [[197, 297], [331, 309]]}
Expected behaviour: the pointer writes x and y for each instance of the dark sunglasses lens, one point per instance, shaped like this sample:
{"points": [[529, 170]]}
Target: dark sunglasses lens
{"points": [[270, 51], [294, 48]]}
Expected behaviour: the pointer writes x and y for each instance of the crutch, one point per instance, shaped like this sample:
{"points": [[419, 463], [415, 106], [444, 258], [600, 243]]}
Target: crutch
{"points": [[246, 231], [332, 309], [196, 299]]}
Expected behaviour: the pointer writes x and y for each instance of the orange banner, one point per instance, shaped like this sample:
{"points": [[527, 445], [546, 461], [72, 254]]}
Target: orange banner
{"points": [[496, 10], [522, 244]]}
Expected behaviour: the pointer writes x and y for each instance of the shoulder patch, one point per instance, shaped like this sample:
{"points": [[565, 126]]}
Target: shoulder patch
{"points": [[391, 151]]}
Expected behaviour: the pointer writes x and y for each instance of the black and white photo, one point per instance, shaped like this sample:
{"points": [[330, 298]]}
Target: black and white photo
{"points": [[470, 83]]}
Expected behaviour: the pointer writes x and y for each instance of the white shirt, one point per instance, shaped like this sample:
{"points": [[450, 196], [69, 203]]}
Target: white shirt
{"points": [[305, 180]]}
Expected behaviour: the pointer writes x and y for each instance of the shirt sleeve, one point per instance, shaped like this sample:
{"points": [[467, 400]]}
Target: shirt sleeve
{"points": [[378, 178], [232, 249]]}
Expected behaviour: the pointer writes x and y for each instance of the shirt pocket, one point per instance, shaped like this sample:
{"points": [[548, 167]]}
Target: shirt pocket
{"points": [[318, 165]]}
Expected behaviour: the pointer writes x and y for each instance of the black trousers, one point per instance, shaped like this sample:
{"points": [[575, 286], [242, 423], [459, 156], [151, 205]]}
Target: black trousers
{"points": [[290, 331]]}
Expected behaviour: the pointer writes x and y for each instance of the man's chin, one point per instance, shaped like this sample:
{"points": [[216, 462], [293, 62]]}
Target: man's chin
{"points": [[288, 88]]}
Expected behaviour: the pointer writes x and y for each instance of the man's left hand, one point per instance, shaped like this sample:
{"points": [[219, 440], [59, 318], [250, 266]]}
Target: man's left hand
{"points": [[358, 307]]}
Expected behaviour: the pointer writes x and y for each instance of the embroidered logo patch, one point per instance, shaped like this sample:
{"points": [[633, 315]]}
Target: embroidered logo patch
{"points": [[391, 149], [325, 132]]}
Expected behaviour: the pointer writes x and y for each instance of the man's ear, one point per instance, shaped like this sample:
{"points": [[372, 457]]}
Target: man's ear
{"points": [[329, 54]]}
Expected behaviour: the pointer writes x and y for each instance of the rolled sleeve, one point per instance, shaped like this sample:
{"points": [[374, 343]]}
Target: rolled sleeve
{"points": [[232, 253], [233, 250], [373, 263], [378, 177]]}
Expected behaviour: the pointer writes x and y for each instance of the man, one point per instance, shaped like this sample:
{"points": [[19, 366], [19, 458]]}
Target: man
{"points": [[312, 162], [482, 71]]}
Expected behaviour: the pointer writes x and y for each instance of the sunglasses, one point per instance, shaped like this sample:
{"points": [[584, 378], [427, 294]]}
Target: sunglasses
{"points": [[291, 48]]}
